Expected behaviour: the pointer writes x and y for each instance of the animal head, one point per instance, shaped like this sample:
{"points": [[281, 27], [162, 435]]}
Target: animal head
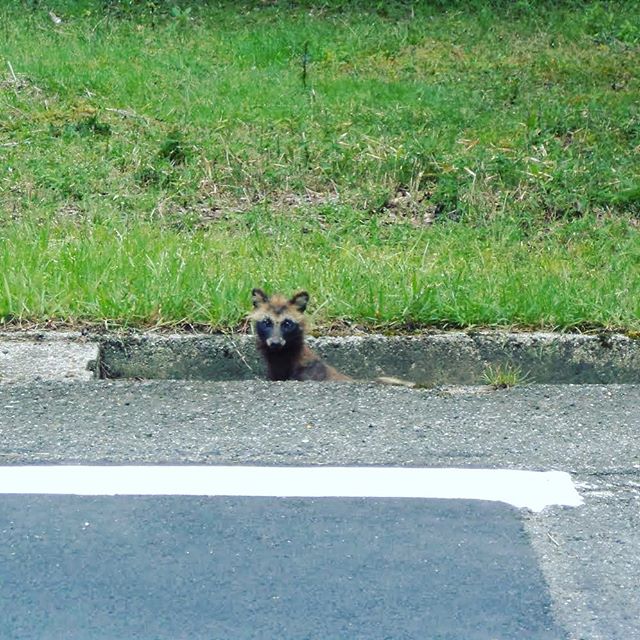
{"points": [[279, 323]]}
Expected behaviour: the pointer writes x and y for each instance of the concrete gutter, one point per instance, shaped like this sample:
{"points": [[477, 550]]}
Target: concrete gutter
{"points": [[434, 359], [444, 358]]}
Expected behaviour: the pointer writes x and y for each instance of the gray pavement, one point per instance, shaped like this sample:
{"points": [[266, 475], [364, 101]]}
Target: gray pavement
{"points": [[589, 556], [47, 356]]}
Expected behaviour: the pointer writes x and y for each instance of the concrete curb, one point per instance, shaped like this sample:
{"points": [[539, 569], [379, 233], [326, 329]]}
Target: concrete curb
{"points": [[442, 358], [445, 358]]}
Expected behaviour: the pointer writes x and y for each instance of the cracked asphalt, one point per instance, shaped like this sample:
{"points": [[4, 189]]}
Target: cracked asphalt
{"points": [[590, 555]]}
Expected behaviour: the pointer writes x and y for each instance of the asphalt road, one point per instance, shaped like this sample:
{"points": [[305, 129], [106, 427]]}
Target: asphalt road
{"points": [[589, 555], [104, 568]]}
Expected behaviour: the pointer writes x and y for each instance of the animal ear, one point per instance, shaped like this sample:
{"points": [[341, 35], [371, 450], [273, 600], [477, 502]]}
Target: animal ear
{"points": [[258, 296], [300, 300]]}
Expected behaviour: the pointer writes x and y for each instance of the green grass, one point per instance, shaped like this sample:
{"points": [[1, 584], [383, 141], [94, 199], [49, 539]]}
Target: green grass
{"points": [[504, 376], [575, 275], [446, 164]]}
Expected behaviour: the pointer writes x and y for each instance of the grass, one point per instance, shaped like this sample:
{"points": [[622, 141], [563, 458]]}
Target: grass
{"points": [[451, 275], [442, 164], [505, 376]]}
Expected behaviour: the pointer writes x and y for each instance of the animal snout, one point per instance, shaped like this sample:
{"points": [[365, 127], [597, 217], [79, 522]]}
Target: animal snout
{"points": [[275, 342]]}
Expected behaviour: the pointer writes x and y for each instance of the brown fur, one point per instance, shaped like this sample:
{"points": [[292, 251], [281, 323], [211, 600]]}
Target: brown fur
{"points": [[283, 347]]}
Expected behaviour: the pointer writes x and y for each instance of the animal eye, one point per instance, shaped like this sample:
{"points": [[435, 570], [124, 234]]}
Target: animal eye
{"points": [[287, 324], [266, 322]]}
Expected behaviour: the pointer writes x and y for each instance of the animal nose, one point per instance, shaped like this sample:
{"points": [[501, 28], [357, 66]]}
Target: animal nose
{"points": [[274, 342]]}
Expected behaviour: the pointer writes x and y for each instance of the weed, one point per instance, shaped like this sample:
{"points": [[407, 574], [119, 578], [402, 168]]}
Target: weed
{"points": [[91, 126], [174, 149], [85, 127], [504, 376]]}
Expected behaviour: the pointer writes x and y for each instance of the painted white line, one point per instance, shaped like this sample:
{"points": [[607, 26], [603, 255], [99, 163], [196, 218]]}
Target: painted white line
{"points": [[523, 489]]}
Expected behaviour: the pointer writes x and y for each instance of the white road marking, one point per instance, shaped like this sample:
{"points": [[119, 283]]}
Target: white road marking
{"points": [[534, 490]]}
